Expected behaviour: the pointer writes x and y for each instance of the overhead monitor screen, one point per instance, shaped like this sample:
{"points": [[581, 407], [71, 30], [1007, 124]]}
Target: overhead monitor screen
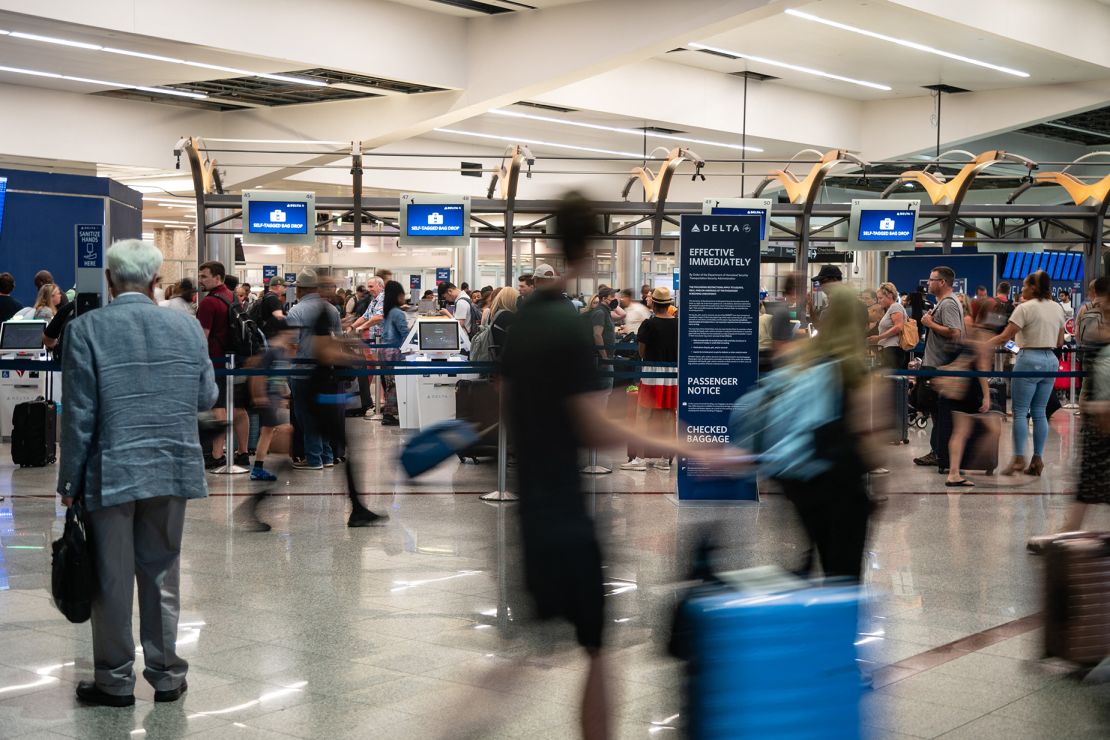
{"points": [[445, 219], [762, 213], [438, 335], [3, 191], [277, 217], [887, 226], [21, 335]]}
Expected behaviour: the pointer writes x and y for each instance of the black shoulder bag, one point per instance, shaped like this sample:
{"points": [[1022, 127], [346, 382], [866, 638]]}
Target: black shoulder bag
{"points": [[73, 576]]}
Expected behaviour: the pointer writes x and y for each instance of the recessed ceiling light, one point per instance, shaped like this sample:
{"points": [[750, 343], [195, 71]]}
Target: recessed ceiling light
{"points": [[53, 40], [104, 83], [616, 129], [905, 43], [160, 58], [785, 65], [537, 142]]}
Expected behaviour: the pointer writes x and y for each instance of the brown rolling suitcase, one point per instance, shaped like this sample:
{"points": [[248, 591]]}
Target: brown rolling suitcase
{"points": [[1077, 597]]}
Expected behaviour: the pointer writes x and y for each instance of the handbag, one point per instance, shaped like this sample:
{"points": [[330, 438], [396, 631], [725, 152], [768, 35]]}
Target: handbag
{"points": [[910, 335], [73, 576]]}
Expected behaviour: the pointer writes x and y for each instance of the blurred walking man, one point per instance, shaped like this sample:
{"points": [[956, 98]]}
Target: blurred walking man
{"points": [[134, 378]]}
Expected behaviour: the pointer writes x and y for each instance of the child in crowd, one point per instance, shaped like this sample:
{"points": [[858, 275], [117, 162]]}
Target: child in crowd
{"points": [[270, 398]]}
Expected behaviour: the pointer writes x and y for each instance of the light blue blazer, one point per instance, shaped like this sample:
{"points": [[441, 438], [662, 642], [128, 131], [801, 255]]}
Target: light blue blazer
{"points": [[134, 377]]}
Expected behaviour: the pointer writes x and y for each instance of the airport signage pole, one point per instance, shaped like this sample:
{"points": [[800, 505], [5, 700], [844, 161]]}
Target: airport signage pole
{"points": [[718, 342], [91, 284]]}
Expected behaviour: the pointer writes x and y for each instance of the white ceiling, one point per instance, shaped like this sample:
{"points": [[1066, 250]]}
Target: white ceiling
{"points": [[68, 60], [465, 13], [802, 42]]}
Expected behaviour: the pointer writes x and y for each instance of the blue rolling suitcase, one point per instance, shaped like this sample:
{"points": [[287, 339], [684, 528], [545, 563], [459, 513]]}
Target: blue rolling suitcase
{"points": [[774, 664], [429, 447]]}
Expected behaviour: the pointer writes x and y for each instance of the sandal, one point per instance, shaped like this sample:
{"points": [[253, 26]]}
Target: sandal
{"points": [[962, 483]]}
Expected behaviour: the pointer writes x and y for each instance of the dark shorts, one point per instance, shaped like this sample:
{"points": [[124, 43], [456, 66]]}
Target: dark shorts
{"points": [[239, 395], [562, 570]]}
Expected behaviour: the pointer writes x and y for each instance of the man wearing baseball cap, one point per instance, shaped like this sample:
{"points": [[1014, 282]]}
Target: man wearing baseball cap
{"points": [[829, 277]]}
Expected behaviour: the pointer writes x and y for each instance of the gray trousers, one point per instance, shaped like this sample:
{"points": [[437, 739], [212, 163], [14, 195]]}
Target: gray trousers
{"points": [[139, 540]]}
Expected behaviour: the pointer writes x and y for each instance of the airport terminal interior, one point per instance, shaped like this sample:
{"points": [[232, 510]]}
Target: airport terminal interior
{"points": [[587, 368]]}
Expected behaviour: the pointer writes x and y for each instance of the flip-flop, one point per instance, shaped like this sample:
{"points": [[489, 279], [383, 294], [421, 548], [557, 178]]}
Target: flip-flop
{"points": [[965, 483]]}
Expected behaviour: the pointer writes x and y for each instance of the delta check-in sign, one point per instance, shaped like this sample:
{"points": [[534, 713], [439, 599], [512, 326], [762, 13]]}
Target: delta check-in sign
{"points": [[718, 341]]}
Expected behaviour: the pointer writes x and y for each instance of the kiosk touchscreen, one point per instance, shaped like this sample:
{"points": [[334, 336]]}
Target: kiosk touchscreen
{"points": [[437, 336], [21, 336], [23, 340]]}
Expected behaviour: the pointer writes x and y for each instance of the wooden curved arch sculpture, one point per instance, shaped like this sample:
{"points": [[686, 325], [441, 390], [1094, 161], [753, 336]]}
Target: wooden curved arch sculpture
{"points": [[1082, 194], [942, 192], [800, 190], [655, 186]]}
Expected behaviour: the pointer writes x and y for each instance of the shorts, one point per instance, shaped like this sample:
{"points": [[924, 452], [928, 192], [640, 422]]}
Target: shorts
{"points": [[239, 398], [271, 415], [562, 571]]}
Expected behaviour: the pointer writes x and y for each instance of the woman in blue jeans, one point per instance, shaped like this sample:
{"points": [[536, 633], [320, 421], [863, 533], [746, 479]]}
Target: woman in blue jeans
{"points": [[1037, 327]]}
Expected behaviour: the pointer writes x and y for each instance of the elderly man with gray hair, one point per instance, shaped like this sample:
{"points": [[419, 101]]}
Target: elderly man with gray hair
{"points": [[134, 378]]}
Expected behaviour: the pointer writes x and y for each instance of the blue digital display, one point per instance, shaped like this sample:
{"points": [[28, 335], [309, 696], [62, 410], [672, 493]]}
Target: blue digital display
{"points": [[277, 217], [746, 212], [887, 226], [435, 220], [3, 190]]}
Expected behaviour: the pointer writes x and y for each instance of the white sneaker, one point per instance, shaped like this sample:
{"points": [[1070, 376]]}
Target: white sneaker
{"points": [[638, 463], [662, 464]]}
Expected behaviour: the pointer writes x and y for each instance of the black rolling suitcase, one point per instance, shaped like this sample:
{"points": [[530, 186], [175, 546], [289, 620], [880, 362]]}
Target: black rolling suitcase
{"points": [[477, 401], [34, 433], [900, 384]]}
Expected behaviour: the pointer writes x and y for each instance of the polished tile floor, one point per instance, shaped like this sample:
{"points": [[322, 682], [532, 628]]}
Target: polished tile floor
{"points": [[317, 631]]}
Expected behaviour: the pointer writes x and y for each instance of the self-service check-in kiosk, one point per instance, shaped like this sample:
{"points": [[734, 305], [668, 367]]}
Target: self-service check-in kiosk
{"points": [[20, 340], [423, 400]]}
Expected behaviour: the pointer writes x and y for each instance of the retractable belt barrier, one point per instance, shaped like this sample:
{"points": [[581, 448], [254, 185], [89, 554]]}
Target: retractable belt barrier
{"points": [[374, 369]]}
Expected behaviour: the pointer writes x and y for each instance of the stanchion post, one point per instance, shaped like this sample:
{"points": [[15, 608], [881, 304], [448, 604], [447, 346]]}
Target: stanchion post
{"points": [[502, 493], [1071, 404], [229, 467]]}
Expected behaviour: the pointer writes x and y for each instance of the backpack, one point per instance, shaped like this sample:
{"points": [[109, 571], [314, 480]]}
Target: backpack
{"points": [[244, 338], [910, 335], [475, 318], [481, 345], [1088, 330], [792, 421]]}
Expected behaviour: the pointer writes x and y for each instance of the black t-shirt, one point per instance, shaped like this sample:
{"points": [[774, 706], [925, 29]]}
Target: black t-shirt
{"points": [[548, 359], [660, 339], [270, 303], [57, 326], [8, 307]]}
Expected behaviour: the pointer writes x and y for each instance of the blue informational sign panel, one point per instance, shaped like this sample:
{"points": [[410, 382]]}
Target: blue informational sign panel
{"points": [[90, 246], [718, 341], [886, 226], [290, 277], [414, 282], [446, 219], [269, 271], [274, 217], [3, 192], [443, 275]]}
